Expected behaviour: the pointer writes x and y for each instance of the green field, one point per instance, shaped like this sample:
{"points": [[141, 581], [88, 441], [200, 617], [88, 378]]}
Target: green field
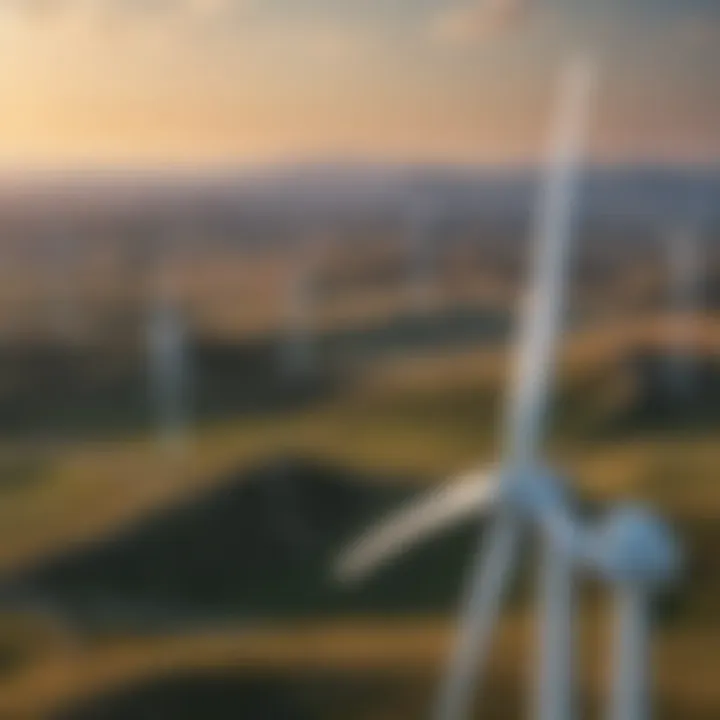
{"points": [[422, 420]]}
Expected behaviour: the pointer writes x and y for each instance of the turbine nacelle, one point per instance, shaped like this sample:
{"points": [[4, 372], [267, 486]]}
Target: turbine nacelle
{"points": [[634, 547]]}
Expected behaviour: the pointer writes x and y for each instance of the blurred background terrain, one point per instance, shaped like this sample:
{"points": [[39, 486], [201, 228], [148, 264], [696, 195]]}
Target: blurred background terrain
{"points": [[259, 270], [147, 577]]}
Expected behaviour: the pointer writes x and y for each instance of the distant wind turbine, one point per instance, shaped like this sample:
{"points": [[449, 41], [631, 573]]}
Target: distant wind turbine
{"points": [[298, 351], [684, 283], [66, 319], [168, 366], [422, 254]]}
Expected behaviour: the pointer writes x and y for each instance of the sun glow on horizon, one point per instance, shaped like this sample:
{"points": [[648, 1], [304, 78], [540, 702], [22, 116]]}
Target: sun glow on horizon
{"points": [[107, 82]]}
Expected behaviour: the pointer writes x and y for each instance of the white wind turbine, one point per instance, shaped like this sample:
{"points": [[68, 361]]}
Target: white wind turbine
{"points": [[168, 366], [421, 251], [527, 494], [298, 351], [684, 273], [637, 555], [66, 316], [630, 549]]}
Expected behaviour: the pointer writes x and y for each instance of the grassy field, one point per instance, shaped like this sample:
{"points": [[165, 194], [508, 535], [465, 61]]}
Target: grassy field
{"points": [[423, 419]]}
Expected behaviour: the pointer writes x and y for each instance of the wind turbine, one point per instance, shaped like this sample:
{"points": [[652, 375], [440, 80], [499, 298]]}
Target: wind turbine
{"points": [[168, 365], [421, 251], [527, 495], [637, 555], [66, 321], [684, 274], [527, 490], [298, 354], [630, 549]]}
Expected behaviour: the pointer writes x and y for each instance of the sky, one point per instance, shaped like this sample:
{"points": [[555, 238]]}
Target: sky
{"points": [[197, 82]]}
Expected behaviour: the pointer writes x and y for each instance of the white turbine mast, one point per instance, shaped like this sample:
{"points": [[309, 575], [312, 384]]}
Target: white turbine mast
{"points": [[523, 496], [422, 216], [168, 365], [684, 271], [298, 351], [637, 555], [66, 320]]}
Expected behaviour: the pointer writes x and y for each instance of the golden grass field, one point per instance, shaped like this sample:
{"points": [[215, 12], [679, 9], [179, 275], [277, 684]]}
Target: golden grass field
{"points": [[431, 417]]}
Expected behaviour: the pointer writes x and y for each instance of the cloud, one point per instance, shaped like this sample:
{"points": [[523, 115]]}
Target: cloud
{"points": [[478, 21]]}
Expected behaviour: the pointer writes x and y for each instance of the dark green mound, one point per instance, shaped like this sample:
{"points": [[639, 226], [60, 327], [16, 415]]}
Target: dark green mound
{"points": [[261, 544]]}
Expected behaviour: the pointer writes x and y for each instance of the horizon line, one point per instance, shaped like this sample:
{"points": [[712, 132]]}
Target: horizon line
{"points": [[257, 168]]}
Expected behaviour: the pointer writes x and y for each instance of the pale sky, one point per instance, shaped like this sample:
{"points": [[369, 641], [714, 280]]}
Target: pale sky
{"points": [[229, 81]]}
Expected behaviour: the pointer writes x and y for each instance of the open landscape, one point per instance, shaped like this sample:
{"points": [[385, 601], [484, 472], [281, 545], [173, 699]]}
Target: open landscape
{"points": [[194, 579]]}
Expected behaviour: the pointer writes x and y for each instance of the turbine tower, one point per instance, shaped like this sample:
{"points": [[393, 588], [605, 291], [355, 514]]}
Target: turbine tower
{"points": [[636, 554], [298, 352], [66, 320], [684, 273], [168, 366], [421, 253]]}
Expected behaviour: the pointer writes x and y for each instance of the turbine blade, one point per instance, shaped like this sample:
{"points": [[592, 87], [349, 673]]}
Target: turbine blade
{"points": [[480, 610], [469, 496], [543, 305], [630, 682]]}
